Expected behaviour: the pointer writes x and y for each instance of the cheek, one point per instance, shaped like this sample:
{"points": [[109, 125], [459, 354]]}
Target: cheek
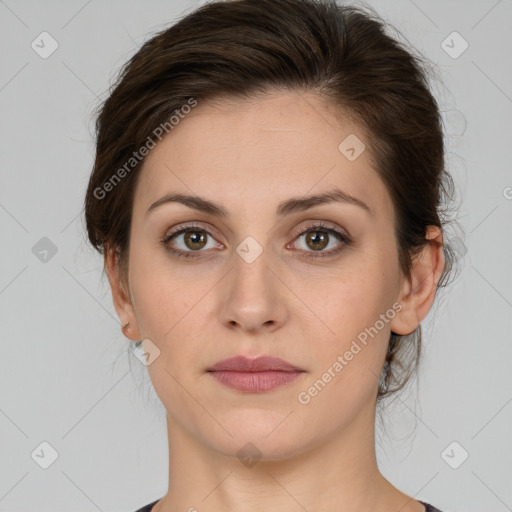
{"points": [[355, 312], [350, 297], [164, 297], [349, 362], [174, 310], [168, 306]]}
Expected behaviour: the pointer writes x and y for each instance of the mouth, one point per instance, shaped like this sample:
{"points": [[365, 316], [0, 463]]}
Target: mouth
{"points": [[254, 375]]}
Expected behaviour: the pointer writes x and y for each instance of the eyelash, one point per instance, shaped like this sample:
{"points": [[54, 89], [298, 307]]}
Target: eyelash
{"points": [[319, 226]]}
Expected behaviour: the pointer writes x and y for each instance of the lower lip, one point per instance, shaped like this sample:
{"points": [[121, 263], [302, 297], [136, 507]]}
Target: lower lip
{"points": [[255, 382]]}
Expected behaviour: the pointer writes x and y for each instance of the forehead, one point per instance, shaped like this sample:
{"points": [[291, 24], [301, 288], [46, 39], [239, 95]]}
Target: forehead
{"points": [[251, 154]]}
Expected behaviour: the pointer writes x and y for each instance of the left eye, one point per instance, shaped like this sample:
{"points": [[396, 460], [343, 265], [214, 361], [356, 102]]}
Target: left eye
{"points": [[318, 239]]}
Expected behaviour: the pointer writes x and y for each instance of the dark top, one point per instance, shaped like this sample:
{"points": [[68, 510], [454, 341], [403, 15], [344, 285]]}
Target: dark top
{"points": [[147, 508]]}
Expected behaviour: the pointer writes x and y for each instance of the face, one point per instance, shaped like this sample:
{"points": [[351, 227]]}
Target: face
{"points": [[315, 283]]}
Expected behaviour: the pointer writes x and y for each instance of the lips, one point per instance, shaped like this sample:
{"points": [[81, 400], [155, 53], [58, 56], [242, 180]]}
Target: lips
{"points": [[260, 364], [254, 375]]}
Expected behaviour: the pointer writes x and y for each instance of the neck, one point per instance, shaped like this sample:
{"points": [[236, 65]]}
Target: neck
{"points": [[338, 475]]}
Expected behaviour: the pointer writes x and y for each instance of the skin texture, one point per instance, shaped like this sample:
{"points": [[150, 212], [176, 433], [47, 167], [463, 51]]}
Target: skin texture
{"points": [[249, 156]]}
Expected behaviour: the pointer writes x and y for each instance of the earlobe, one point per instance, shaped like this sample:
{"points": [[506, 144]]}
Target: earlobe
{"points": [[418, 293], [406, 320], [121, 296]]}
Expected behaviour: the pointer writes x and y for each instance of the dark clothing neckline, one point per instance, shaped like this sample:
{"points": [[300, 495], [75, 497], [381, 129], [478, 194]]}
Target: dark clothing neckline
{"points": [[147, 508]]}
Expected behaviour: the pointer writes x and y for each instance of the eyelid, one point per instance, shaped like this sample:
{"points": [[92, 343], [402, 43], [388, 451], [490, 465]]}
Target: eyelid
{"points": [[192, 225], [319, 225]]}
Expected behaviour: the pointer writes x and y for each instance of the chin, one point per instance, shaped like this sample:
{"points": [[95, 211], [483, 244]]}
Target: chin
{"points": [[259, 435]]}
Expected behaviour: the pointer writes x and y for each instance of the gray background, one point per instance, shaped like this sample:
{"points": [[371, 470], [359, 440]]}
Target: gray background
{"points": [[66, 377]]}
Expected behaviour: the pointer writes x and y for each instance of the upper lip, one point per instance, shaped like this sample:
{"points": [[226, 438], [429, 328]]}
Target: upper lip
{"points": [[258, 364]]}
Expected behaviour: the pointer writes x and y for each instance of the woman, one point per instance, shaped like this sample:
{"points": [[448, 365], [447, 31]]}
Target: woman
{"points": [[267, 196]]}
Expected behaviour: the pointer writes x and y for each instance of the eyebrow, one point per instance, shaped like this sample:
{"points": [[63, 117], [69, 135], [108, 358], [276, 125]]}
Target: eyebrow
{"points": [[292, 205]]}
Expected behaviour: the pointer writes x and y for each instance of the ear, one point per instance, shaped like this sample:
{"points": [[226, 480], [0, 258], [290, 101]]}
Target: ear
{"points": [[418, 292], [121, 296]]}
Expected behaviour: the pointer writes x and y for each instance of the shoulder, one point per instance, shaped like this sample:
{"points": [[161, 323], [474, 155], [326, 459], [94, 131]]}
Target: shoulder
{"points": [[430, 508], [149, 506]]}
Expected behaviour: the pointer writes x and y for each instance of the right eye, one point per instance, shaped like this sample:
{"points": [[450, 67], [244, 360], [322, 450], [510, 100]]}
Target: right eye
{"points": [[189, 239]]}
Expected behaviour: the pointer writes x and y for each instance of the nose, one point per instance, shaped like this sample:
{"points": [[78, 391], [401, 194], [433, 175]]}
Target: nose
{"points": [[253, 297]]}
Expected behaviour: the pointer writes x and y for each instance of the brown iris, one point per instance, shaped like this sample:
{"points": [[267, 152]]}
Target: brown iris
{"points": [[195, 239], [319, 239]]}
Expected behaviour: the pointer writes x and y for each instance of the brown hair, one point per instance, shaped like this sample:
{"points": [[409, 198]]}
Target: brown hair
{"points": [[243, 47]]}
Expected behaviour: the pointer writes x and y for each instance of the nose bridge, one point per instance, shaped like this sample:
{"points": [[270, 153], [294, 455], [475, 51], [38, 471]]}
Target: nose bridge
{"points": [[251, 273], [252, 297]]}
